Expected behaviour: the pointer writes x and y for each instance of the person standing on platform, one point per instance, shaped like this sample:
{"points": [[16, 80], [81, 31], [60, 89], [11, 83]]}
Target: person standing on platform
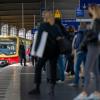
{"points": [[22, 54], [50, 52], [92, 61], [80, 53], [44, 17], [61, 58], [69, 55]]}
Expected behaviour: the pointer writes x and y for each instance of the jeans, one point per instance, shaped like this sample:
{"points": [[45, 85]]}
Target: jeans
{"points": [[61, 67], [80, 57], [92, 65]]}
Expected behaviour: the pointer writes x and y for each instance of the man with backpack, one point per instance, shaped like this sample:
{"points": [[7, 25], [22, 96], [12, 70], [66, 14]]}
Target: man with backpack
{"points": [[80, 53], [61, 58]]}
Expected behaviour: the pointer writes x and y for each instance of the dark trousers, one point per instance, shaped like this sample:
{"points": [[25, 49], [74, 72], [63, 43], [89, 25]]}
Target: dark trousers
{"points": [[38, 69], [92, 65], [70, 65], [23, 59], [34, 60]]}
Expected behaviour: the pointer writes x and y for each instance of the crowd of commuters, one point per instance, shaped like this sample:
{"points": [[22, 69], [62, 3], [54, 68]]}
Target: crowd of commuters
{"points": [[83, 52]]}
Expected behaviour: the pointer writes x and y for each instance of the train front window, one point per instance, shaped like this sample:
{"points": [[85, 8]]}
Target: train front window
{"points": [[8, 46]]}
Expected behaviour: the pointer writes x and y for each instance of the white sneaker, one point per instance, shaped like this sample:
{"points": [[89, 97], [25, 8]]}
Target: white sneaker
{"points": [[73, 85], [60, 82], [81, 97], [93, 97]]}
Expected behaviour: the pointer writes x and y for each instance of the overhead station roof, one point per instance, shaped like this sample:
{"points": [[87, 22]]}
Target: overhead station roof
{"points": [[11, 10]]}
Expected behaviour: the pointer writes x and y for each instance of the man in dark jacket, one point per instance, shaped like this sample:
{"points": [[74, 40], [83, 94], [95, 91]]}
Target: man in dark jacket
{"points": [[69, 55], [22, 54], [80, 53], [50, 52], [61, 58]]}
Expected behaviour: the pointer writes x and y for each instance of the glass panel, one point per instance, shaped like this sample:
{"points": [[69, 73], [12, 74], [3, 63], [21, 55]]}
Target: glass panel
{"points": [[4, 29], [21, 33], [8, 46], [29, 35], [13, 31]]}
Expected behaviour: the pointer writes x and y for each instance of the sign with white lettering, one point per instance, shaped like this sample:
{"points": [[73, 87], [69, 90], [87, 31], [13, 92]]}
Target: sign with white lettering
{"points": [[70, 22], [79, 12], [84, 3]]}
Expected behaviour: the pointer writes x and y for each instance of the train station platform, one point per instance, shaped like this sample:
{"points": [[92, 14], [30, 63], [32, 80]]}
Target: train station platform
{"points": [[16, 81]]}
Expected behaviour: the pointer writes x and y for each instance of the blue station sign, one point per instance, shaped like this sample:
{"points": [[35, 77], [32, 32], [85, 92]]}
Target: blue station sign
{"points": [[79, 12], [70, 22], [84, 3]]}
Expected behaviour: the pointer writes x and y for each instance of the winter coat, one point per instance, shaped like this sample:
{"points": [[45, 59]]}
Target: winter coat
{"points": [[51, 49]]}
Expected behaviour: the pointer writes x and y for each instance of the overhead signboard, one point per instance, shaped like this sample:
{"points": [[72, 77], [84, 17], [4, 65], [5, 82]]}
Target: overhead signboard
{"points": [[84, 3], [74, 22], [57, 14], [84, 20], [79, 12], [70, 22]]}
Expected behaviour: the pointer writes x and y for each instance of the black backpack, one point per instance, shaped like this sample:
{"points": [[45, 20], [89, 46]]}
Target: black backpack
{"points": [[64, 45]]}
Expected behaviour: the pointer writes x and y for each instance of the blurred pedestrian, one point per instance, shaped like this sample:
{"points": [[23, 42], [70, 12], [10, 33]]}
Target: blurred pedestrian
{"points": [[92, 60], [69, 55], [44, 20], [61, 58], [48, 52], [80, 53], [22, 53]]}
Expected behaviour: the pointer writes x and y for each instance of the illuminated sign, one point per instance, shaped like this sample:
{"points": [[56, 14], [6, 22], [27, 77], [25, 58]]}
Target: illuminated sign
{"points": [[57, 14]]}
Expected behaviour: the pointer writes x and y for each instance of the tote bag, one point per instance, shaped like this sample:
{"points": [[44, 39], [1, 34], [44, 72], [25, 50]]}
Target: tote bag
{"points": [[41, 47]]}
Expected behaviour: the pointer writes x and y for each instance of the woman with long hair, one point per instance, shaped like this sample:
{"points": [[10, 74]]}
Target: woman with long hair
{"points": [[92, 61]]}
